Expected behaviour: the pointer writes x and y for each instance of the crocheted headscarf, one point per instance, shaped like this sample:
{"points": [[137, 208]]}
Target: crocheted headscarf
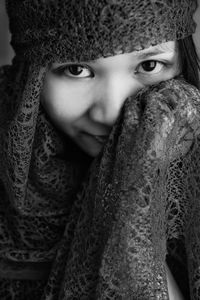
{"points": [[66, 29], [109, 241]]}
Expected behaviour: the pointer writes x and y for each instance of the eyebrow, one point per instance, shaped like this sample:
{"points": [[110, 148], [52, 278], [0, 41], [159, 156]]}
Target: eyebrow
{"points": [[150, 53]]}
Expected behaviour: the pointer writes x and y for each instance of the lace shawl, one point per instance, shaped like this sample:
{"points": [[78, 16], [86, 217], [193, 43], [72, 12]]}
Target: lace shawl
{"points": [[64, 30], [40, 173], [139, 203]]}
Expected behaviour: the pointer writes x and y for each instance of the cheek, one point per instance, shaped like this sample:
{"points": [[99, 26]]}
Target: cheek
{"points": [[64, 103]]}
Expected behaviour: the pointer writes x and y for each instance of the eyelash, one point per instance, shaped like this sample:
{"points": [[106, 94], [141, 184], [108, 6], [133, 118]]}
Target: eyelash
{"points": [[161, 63], [61, 71]]}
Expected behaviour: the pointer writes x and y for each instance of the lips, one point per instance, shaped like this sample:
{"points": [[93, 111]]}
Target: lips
{"points": [[99, 138]]}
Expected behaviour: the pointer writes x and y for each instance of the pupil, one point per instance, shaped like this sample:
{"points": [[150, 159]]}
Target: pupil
{"points": [[149, 65], [75, 70]]}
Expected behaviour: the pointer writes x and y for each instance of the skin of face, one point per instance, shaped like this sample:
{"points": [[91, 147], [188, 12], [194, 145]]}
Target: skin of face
{"points": [[84, 99]]}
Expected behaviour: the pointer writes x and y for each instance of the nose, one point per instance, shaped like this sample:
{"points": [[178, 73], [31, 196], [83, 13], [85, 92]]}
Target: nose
{"points": [[109, 97]]}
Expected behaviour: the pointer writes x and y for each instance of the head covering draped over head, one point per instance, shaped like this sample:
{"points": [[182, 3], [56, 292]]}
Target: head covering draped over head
{"points": [[41, 171], [88, 29]]}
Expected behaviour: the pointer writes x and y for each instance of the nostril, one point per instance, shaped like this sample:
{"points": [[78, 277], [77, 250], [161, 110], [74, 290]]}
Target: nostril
{"points": [[96, 113], [104, 115]]}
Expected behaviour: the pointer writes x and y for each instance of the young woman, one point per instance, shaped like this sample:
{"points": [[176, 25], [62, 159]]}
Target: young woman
{"points": [[84, 99], [99, 139]]}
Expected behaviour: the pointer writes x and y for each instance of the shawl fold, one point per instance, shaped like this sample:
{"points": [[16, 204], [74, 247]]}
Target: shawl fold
{"points": [[109, 234], [141, 197]]}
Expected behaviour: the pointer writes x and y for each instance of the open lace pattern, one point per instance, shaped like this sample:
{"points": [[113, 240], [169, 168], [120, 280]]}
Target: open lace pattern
{"points": [[139, 203], [142, 195], [65, 30], [105, 236]]}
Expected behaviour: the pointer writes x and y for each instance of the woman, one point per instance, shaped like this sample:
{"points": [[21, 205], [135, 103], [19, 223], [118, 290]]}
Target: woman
{"points": [[96, 79]]}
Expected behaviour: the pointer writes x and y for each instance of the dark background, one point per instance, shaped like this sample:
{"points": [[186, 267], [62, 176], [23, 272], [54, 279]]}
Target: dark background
{"points": [[6, 52]]}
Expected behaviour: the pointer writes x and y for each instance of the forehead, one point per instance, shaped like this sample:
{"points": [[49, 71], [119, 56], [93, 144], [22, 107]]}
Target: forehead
{"points": [[168, 48]]}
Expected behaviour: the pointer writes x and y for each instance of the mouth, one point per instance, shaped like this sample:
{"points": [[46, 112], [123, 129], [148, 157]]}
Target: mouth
{"points": [[99, 138]]}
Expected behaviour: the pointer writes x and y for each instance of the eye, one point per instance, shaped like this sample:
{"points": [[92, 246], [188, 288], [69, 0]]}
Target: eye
{"points": [[77, 71], [74, 70], [150, 67]]}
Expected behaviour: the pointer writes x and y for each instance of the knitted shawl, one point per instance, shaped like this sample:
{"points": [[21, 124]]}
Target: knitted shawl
{"points": [[140, 205], [73, 228], [106, 235]]}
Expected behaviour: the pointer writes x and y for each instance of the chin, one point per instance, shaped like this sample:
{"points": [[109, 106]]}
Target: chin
{"points": [[92, 152]]}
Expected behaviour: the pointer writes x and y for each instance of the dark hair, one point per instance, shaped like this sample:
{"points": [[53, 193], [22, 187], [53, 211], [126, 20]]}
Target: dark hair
{"points": [[189, 61]]}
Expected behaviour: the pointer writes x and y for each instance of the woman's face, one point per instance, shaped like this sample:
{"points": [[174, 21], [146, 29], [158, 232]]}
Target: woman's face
{"points": [[84, 99]]}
